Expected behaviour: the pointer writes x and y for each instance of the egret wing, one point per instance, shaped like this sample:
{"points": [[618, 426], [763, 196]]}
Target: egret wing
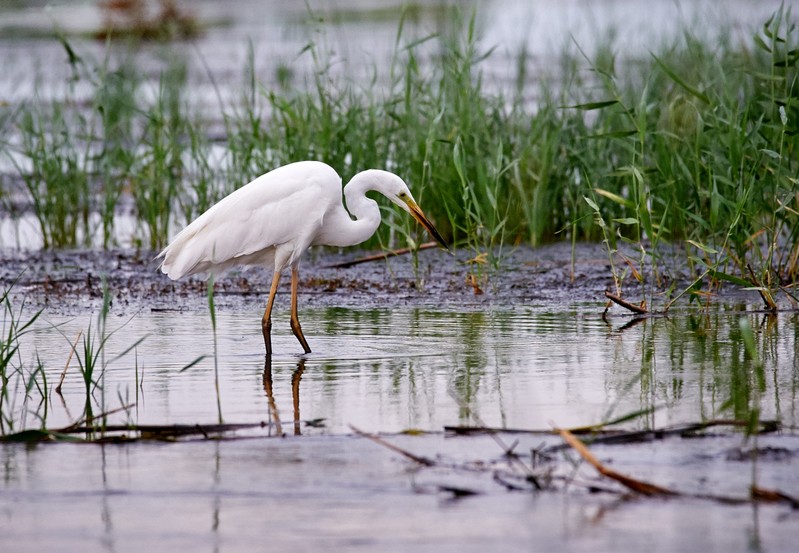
{"points": [[279, 211]]}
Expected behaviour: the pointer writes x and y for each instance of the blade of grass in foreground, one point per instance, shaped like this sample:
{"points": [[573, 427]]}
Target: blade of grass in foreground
{"points": [[212, 311]]}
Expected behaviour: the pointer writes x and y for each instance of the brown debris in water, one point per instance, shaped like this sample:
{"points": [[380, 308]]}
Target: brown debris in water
{"points": [[637, 309], [635, 485], [140, 19]]}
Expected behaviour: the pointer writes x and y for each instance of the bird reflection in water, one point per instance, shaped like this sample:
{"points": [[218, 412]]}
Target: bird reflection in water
{"points": [[296, 376]]}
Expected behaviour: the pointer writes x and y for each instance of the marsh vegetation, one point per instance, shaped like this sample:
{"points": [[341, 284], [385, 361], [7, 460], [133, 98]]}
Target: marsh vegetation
{"points": [[690, 148], [671, 176]]}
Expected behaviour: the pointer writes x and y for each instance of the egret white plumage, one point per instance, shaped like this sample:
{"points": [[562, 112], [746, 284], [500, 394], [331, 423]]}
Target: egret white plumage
{"points": [[275, 218]]}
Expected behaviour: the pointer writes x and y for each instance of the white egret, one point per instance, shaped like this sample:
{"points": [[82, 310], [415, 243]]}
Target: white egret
{"points": [[275, 218]]}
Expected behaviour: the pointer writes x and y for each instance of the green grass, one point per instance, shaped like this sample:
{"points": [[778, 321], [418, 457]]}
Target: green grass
{"points": [[690, 148], [18, 382], [58, 183], [24, 386], [25, 390], [90, 356]]}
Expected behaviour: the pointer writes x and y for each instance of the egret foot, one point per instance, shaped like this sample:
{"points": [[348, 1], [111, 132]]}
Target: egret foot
{"points": [[297, 330], [295, 320], [266, 328]]}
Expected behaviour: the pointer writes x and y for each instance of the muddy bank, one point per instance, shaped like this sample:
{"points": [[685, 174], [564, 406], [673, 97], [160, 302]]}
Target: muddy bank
{"points": [[68, 281]]}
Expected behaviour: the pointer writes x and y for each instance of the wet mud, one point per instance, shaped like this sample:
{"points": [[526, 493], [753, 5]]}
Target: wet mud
{"points": [[71, 281]]}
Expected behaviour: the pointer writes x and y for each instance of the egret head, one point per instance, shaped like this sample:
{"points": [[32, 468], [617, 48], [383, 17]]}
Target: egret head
{"points": [[403, 198], [395, 189]]}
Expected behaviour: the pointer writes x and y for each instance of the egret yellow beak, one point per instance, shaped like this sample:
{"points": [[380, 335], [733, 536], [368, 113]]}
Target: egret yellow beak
{"points": [[419, 215]]}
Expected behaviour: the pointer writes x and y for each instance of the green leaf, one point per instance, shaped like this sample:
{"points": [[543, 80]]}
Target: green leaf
{"points": [[612, 134], [706, 249], [761, 44], [677, 79], [589, 106], [591, 203], [631, 416], [129, 349], [615, 198], [74, 59], [718, 275], [190, 365], [626, 221], [628, 171], [767, 26]]}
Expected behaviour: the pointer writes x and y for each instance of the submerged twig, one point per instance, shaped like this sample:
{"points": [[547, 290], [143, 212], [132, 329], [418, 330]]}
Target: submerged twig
{"points": [[69, 359], [635, 321], [599, 434], [457, 491], [146, 431], [378, 440], [773, 496], [157, 430], [470, 430], [765, 293], [625, 304], [646, 488], [513, 458], [636, 485], [80, 422]]}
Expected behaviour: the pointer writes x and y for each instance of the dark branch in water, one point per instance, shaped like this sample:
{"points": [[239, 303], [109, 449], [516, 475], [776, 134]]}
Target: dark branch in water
{"points": [[602, 435], [639, 486], [167, 430], [376, 439], [773, 496], [646, 488], [115, 432], [765, 293], [625, 304]]}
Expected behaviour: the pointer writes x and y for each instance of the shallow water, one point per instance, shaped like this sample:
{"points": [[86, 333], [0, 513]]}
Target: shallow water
{"points": [[335, 494], [396, 369], [391, 370]]}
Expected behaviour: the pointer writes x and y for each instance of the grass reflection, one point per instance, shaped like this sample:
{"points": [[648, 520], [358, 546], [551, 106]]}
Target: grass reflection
{"points": [[391, 370]]}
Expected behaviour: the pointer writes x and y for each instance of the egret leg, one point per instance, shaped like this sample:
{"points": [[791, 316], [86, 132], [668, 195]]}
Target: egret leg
{"points": [[270, 397], [266, 322], [295, 394], [295, 321]]}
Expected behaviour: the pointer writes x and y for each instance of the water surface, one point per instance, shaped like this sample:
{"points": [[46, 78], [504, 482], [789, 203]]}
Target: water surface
{"points": [[390, 370], [407, 368]]}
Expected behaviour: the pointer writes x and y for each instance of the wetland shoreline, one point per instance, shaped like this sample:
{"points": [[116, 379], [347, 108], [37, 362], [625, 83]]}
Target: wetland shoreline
{"points": [[71, 281]]}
